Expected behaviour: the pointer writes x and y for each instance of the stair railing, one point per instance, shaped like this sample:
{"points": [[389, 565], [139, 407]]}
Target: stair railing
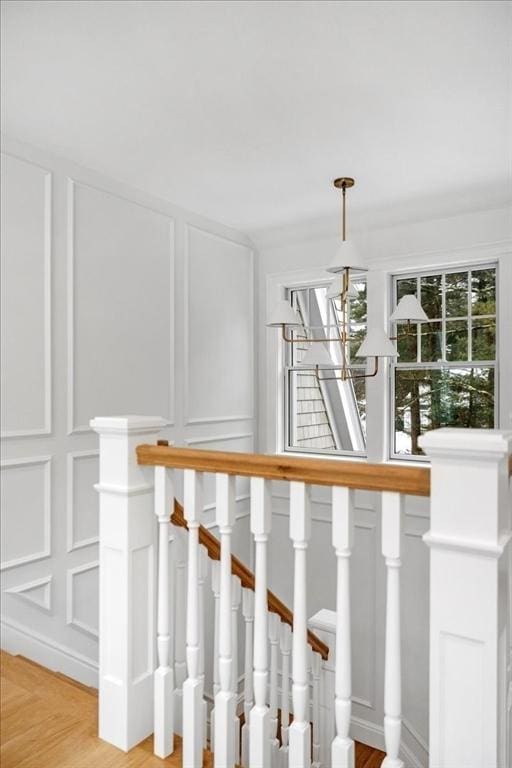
{"points": [[470, 531]]}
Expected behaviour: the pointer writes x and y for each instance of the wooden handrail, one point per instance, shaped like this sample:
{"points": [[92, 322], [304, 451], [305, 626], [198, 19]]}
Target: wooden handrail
{"points": [[351, 474], [246, 577]]}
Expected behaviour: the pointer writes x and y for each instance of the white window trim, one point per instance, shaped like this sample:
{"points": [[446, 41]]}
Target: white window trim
{"points": [[379, 281]]}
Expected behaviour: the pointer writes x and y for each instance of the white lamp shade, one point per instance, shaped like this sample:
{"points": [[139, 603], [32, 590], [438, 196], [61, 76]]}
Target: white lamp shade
{"points": [[317, 355], [377, 344], [283, 314], [408, 308], [346, 256], [336, 287]]}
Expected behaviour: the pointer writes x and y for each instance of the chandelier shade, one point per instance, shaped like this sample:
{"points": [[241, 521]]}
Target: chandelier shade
{"points": [[335, 289], [377, 344], [317, 356], [408, 309], [346, 257], [283, 314]]}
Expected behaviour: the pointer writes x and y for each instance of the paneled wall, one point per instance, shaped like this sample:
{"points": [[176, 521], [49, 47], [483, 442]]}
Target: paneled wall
{"points": [[112, 302]]}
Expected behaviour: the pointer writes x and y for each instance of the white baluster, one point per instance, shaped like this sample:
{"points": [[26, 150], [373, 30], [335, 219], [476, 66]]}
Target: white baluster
{"points": [[203, 575], [164, 674], [225, 703], [193, 685], [343, 750], [273, 636], [259, 742], [216, 681], [248, 613], [391, 528], [316, 663], [286, 647], [180, 622], [236, 598], [300, 530]]}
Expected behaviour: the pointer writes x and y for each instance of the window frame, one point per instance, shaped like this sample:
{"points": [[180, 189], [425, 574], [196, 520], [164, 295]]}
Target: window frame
{"points": [[287, 368], [394, 363]]}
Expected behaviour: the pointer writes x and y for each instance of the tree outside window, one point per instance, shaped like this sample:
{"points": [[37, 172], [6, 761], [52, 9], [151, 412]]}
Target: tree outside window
{"points": [[446, 373]]}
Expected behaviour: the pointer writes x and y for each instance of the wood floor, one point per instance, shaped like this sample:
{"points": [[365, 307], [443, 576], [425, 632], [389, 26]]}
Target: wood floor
{"points": [[49, 721]]}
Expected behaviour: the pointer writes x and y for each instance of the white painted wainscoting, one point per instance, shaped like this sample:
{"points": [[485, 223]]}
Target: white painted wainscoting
{"points": [[112, 302]]}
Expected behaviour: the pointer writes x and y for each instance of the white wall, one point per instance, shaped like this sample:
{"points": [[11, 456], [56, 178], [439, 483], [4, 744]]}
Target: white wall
{"points": [[288, 258], [112, 302]]}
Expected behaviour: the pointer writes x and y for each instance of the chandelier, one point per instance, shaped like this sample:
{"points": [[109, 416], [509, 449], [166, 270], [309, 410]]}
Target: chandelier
{"points": [[375, 345]]}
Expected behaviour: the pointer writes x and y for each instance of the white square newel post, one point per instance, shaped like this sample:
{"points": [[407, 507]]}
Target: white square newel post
{"points": [[127, 580], [470, 529]]}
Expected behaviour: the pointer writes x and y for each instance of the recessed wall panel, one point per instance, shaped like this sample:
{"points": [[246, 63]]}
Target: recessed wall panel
{"points": [[218, 329], [82, 598], [83, 499], [25, 504], [121, 307], [25, 298]]}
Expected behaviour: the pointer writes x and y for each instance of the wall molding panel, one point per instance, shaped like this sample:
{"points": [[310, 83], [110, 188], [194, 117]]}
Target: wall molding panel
{"points": [[45, 321], [72, 575], [219, 438], [72, 542], [45, 524], [73, 185], [37, 592], [190, 418]]}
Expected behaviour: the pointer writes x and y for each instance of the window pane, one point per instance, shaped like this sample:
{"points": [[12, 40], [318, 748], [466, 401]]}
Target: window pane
{"points": [[310, 427], [360, 394], [483, 292], [456, 294], [358, 304], [431, 342], [357, 334], [484, 338], [406, 286], [457, 340], [451, 397], [407, 343], [298, 350], [432, 296], [329, 416]]}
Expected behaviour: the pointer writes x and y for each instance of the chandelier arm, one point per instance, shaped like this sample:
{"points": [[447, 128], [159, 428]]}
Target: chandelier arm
{"points": [[290, 340], [347, 377]]}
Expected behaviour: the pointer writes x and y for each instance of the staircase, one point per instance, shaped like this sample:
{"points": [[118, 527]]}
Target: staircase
{"points": [[142, 695]]}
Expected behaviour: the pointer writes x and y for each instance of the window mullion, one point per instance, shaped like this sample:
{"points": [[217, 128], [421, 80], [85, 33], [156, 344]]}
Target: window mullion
{"points": [[418, 325], [470, 316], [443, 317]]}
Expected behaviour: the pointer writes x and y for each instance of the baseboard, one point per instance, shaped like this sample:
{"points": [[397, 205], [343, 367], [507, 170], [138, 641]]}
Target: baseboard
{"points": [[19, 639], [373, 735]]}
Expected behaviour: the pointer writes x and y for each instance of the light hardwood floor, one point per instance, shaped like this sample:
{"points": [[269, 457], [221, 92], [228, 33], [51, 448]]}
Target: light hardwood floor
{"points": [[49, 721]]}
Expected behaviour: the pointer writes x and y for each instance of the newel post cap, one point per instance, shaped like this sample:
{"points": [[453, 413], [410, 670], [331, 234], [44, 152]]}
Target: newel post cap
{"points": [[129, 424], [486, 444]]}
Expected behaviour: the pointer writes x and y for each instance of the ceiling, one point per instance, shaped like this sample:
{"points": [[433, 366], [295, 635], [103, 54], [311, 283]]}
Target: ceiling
{"points": [[245, 111]]}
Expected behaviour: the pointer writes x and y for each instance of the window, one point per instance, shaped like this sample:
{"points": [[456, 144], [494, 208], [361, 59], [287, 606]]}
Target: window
{"points": [[330, 416], [446, 372]]}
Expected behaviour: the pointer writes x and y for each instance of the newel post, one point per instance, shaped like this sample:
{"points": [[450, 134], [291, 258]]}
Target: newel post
{"points": [[127, 580], [469, 534]]}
